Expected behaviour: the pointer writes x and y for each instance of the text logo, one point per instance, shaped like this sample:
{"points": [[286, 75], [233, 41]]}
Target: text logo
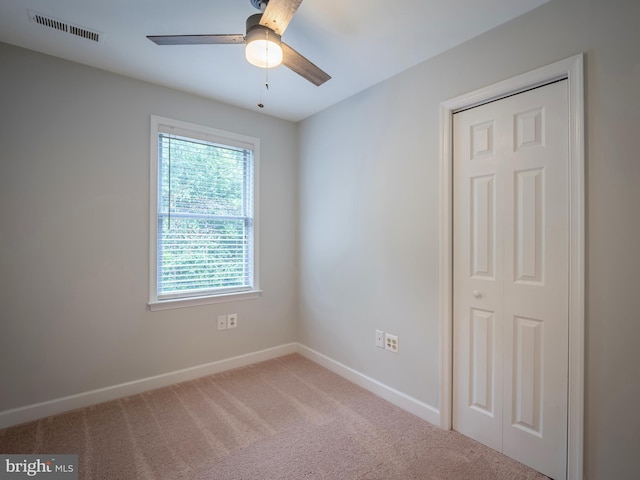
{"points": [[50, 467]]}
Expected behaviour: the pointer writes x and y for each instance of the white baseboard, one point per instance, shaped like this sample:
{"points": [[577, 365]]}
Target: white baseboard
{"points": [[36, 411], [39, 410], [410, 404]]}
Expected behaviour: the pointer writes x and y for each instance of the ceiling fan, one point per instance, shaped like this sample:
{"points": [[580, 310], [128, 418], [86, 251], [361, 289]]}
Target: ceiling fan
{"points": [[264, 47]]}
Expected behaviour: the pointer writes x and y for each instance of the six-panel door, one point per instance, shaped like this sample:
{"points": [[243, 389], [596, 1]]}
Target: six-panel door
{"points": [[511, 223]]}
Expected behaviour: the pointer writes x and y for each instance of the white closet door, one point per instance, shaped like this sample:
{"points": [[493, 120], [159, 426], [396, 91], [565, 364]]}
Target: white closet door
{"points": [[511, 223]]}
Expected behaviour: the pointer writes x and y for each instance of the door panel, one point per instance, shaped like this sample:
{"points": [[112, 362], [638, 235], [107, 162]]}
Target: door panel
{"points": [[478, 308], [482, 229], [529, 224], [481, 362], [527, 381], [510, 252]]}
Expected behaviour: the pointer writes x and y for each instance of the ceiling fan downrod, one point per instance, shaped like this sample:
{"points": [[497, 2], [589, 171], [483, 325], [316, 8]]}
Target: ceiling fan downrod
{"points": [[260, 4]]}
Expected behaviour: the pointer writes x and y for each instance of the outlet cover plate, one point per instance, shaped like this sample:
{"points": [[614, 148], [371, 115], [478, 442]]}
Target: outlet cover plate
{"points": [[222, 322], [391, 343], [232, 320], [379, 339]]}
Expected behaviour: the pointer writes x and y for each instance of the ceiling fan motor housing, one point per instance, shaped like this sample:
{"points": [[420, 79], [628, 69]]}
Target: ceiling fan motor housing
{"points": [[253, 25]]}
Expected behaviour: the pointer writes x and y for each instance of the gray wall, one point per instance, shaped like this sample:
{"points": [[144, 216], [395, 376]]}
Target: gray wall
{"points": [[369, 213], [74, 233]]}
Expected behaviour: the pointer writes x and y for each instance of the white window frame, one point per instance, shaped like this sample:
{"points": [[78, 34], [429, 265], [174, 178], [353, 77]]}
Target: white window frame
{"points": [[167, 125]]}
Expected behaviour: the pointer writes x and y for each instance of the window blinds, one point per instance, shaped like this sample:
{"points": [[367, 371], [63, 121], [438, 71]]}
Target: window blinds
{"points": [[205, 217]]}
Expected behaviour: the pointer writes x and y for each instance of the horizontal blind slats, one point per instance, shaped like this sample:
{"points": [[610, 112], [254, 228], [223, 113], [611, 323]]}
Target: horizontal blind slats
{"points": [[205, 217]]}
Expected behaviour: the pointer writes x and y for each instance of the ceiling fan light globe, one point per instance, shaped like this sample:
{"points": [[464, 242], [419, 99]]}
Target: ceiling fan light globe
{"points": [[264, 53], [263, 48]]}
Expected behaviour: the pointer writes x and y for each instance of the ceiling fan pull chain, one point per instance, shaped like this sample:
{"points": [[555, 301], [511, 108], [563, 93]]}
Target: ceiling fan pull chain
{"points": [[266, 70], [260, 104], [266, 78]]}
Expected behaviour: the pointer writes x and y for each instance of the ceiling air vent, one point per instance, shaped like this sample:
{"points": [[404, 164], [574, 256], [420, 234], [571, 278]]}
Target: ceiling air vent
{"points": [[64, 26]]}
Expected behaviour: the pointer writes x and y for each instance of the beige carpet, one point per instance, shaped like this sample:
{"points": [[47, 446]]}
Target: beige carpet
{"points": [[287, 418]]}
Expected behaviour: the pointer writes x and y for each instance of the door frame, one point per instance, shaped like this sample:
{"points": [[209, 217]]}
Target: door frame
{"points": [[571, 69]]}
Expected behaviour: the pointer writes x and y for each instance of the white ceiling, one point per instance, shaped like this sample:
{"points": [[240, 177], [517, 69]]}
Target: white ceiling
{"points": [[358, 42]]}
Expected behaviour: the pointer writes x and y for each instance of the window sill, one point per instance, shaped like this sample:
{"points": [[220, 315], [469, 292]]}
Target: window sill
{"points": [[196, 301]]}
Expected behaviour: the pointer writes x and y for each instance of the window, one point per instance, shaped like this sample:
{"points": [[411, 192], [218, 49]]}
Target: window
{"points": [[203, 222]]}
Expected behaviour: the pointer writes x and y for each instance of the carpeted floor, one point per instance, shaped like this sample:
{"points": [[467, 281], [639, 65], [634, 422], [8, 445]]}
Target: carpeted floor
{"points": [[287, 418]]}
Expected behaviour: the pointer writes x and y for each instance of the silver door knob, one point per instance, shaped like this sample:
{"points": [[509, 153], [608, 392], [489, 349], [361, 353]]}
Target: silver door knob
{"points": [[477, 294]]}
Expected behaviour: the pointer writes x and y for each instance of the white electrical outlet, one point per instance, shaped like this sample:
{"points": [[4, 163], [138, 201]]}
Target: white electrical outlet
{"points": [[222, 322], [379, 339], [391, 342], [232, 320]]}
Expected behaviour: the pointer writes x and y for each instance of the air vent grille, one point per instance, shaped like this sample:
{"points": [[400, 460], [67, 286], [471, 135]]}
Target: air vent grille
{"points": [[84, 33], [66, 27], [50, 22]]}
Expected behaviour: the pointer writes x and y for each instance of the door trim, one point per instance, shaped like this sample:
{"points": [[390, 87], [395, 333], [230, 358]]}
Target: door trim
{"points": [[571, 69]]}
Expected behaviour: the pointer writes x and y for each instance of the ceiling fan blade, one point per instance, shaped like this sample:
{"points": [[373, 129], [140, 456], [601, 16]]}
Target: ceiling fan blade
{"points": [[278, 14], [302, 66], [196, 39]]}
